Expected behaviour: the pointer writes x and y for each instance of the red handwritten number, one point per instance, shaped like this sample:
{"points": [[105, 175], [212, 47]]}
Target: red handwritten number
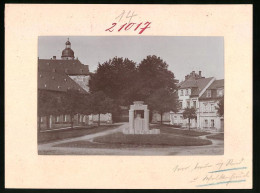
{"points": [[122, 27], [110, 29], [138, 26], [144, 28], [129, 26]]}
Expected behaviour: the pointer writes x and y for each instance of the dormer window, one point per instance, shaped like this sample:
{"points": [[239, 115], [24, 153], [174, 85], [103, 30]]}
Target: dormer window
{"points": [[59, 86], [53, 78], [40, 75], [53, 70], [68, 88], [45, 85], [65, 79], [208, 93], [220, 92]]}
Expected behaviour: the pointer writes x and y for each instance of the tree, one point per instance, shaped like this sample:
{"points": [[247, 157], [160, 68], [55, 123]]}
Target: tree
{"points": [[162, 101], [115, 78], [189, 113], [220, 107], [73, 102], [99, 103], [153, 74], [48, 104]]}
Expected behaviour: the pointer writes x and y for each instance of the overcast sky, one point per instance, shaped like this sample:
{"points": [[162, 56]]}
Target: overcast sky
{"points": [[182, 54]]}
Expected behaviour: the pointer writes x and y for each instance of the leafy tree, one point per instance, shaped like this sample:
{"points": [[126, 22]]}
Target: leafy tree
{"points": [[99, 103], [115, 78], [189, 113], [162, 101], [153, 74], [48, 104], [73, 102], [220, 107]]}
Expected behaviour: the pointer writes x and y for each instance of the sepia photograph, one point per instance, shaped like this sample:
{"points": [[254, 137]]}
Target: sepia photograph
{"points": [[130, 95]]}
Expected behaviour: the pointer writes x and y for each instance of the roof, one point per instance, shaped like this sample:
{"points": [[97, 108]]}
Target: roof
{"points": [[69, 67], [213, 87], [217, 84], [57, 82], [197, 85]]}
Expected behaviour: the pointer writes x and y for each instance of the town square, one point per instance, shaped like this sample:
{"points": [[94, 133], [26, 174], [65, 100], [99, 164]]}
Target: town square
{"points": [[123, 107]]}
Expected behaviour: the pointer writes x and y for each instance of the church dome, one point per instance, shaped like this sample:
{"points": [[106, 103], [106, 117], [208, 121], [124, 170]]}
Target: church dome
{"points": [[67, 53]]}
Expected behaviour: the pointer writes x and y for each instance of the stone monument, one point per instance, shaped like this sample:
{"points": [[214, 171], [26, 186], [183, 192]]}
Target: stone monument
{"points": [[139, 120]]}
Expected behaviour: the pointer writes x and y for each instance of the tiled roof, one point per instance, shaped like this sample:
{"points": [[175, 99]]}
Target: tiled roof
{"points": [[217, 84], [213, 87], [196, 85], [55, 81], [70, 67]]}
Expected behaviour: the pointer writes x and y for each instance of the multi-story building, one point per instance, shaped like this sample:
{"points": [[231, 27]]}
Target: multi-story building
{"points": [[190, 93], [60, 75], [208, 115]]}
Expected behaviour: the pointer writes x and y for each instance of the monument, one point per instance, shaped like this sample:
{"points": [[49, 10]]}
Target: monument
{"points": [[139, 120]]}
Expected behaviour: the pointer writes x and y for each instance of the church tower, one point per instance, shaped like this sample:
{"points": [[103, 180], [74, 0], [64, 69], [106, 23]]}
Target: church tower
{"points": [[68, 53]]}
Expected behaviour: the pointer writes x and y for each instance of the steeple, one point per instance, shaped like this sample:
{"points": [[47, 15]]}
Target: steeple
{"points": [[68, 53]]}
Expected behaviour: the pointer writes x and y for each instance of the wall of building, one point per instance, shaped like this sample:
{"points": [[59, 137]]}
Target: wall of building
{"points": [[82, 80]]}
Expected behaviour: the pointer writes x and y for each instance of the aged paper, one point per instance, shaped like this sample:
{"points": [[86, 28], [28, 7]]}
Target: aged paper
{"points": [[24, 168]]}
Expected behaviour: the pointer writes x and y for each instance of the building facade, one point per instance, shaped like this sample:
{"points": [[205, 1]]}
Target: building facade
{"points": [[57, 76], [191, 93]]}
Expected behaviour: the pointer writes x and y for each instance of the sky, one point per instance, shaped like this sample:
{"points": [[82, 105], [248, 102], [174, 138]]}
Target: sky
{"points": [[182, 54]]}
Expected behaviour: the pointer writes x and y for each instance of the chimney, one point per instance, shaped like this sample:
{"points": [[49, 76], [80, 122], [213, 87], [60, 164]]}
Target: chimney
{"points": [[193, 73], [200, 73], [54, 57]]}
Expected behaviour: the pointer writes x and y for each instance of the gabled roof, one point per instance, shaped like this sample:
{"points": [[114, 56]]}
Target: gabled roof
{"points": [[57, 82], [70, 67], [213, 87], [217, 84], [197, 85]]}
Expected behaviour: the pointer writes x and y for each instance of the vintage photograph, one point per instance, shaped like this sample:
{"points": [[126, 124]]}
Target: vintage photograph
{"points": [[130, 95]]}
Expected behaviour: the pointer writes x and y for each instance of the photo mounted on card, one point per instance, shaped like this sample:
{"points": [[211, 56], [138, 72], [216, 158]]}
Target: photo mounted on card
{"points": [[110, 90]]}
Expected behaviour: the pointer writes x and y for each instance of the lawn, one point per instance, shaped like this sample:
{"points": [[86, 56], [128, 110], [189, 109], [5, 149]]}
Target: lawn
{"points": [[219, 136], [120, 140], [46, 137], [170, 130]]}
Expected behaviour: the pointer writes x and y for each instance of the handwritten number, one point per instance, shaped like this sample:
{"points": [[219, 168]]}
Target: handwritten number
{"points": [[110, 29], [144, 28], [129, 26], [122, 14], [122, 27], [130, 16]]}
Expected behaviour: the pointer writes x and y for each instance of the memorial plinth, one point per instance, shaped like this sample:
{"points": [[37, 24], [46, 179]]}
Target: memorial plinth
{"points": [[139, 124]]}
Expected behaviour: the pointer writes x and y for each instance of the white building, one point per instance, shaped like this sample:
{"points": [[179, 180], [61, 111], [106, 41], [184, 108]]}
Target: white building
{"points": [[191, 92]]}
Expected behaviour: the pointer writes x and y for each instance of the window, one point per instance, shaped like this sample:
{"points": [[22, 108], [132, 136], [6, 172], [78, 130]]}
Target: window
{"points": [[212, 123], [181, 105], [220, 92], [212, 108], [188, 103], [187, 92], [57, 119], [206, 123], [194, 104], [181, 92], [208, 93]]}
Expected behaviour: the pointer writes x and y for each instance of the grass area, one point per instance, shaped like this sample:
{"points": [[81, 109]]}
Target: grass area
{"points": [[45, 137], [120, 140], [169, 130], [217, 136]]}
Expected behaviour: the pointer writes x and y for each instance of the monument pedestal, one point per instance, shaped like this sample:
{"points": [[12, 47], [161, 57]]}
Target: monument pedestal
{"points": [[139, 125]]}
